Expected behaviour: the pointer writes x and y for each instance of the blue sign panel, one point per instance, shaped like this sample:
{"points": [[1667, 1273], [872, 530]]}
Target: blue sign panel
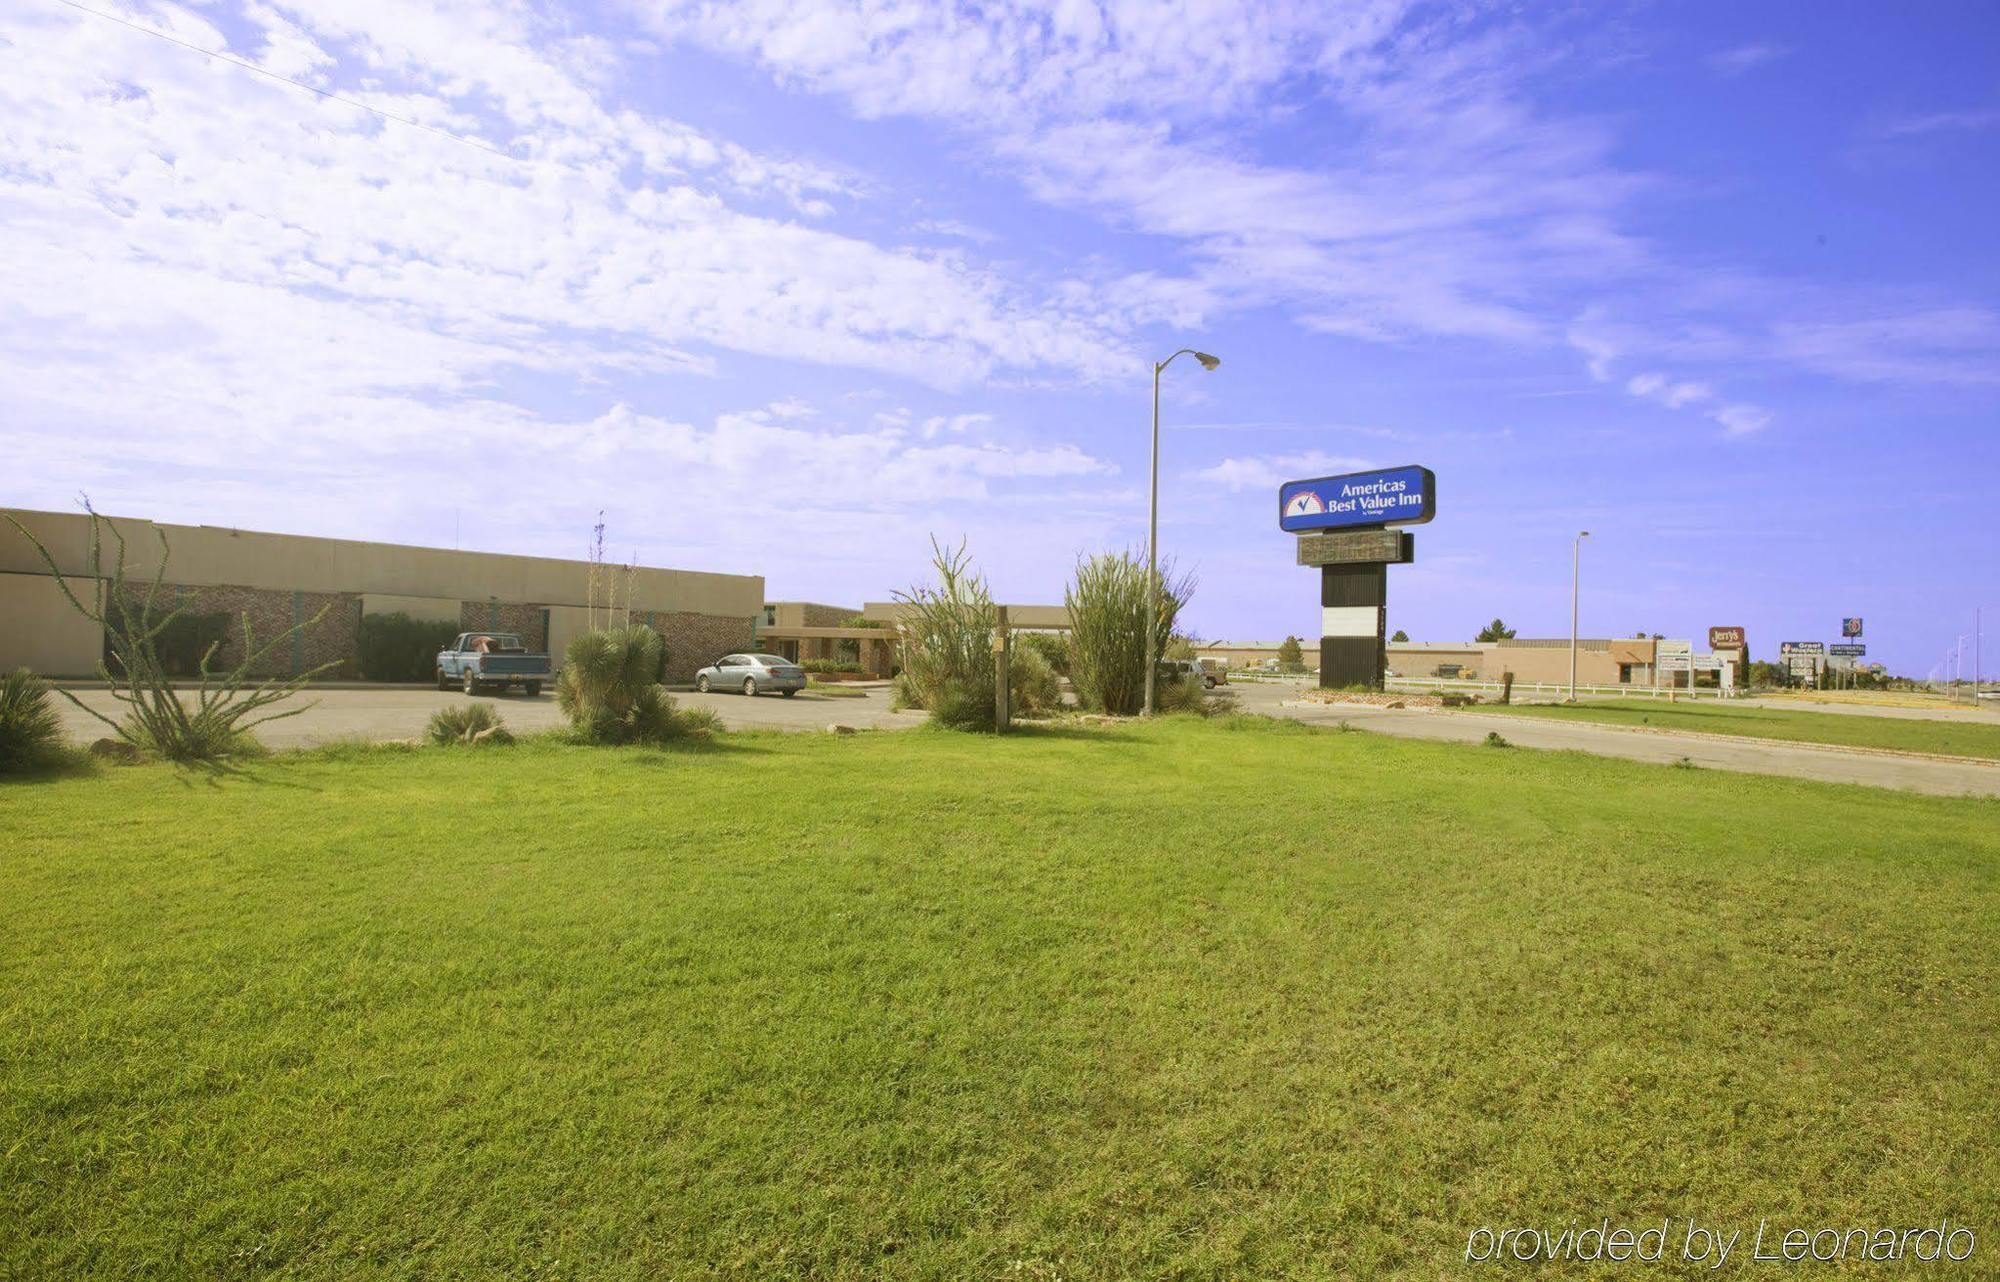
{"points": [[1392, 496], [1850, 627]]}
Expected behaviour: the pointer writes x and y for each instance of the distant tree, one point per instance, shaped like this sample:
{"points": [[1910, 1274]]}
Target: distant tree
{"points": [[1400, 635], [1290, 657], [1495, 631]]}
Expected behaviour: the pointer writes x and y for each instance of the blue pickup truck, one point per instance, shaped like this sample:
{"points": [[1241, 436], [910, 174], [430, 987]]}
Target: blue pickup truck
{"points": [[478, 661]]}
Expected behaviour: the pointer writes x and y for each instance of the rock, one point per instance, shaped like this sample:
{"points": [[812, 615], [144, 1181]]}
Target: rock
{"points": [[834, 727], [114, 750], [493, 734]]}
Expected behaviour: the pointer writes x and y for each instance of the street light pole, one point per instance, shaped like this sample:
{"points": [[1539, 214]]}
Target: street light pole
{"points": [[1575, 565], [1153, 530]]}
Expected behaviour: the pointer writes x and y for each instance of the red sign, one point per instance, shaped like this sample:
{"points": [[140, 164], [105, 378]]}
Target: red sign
{"points": [[1725, 638]]}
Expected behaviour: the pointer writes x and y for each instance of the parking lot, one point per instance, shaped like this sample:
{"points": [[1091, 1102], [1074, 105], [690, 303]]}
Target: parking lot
{"points": [[401, 712]]}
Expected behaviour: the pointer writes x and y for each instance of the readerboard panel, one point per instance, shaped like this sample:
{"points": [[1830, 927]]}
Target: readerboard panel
{"points": [[1388, 496]]}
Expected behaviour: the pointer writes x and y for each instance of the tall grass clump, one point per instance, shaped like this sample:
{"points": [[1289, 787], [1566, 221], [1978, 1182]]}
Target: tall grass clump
{"points": [[947, 644], [468, 723], [31, 736], [1109, 611], [609, 689], [213, 724]]}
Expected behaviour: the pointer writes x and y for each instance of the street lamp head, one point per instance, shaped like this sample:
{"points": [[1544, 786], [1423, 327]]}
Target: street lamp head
{"points": [[1207, 361], [1583, 534]]}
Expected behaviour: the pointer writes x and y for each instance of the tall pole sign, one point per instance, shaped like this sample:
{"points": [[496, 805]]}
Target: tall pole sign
{"points": [[1343, 523]]}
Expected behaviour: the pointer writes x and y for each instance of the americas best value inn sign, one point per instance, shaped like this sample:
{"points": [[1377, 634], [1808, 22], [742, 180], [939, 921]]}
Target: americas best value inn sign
{"points": [[1391, 496]]}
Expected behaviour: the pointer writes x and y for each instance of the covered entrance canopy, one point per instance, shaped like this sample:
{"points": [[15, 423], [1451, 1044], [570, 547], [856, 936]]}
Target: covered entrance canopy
{"points": [[874, 648]]}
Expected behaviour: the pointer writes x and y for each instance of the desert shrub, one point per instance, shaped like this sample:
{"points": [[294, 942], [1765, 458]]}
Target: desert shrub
{"points": [[1178, 694], [396, 647], [946, 641], [468, 723], [31, 736], [217, 721], [1033, 688], [609, 690], [1109, 612], [1053, 648]]}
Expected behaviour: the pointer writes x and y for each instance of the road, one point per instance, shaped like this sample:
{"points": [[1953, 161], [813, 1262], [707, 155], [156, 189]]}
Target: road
{"points": [[401, 712], [1800, 761]]}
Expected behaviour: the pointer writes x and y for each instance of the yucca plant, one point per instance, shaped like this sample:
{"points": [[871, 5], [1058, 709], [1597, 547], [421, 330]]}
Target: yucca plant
{"points": [[226, 703], [1109, 610], [608, 688], [31, 736], [464, 723]]}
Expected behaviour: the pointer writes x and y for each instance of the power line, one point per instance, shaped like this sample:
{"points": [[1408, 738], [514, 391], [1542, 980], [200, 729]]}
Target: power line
{"points": [[296, 84]]}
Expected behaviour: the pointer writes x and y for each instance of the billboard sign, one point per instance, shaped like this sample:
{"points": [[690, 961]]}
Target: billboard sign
{"points": [[1390, 496], [1725, 638], [1850, 627], [1802, 647], [1355, 547], [1847, 651]]}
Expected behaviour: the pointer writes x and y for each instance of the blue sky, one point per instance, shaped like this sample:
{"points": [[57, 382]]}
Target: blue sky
{"points": [[789, 287]]}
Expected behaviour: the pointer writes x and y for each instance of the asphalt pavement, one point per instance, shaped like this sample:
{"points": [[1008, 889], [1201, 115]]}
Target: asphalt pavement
{"points": [[401, 712], [1800, 761]]}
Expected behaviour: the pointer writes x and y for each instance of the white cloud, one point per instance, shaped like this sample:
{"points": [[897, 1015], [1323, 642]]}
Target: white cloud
{"points": [[1268, 471], [1738, 59], [1935, 345], [1741, 419], [1660, 388], [1939, 122], [1444, 205], [955, 424]]}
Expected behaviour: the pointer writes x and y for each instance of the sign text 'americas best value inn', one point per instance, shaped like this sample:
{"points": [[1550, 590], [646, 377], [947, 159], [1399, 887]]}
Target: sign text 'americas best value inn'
{"points": [[1390, 496]]}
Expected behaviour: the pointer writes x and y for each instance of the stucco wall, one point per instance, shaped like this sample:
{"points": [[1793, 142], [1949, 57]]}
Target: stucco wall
{"points": [[205, 555], [42, 632]]}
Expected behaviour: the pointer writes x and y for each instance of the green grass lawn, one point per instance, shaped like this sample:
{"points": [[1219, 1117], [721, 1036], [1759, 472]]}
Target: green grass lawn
{"points": [[918, 1005], [1856, 730]]}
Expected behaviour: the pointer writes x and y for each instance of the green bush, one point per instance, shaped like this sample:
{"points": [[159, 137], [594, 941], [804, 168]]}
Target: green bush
{"points": [[31, 736], [1053, 648], [609, 689], [831, 665], [1033, 688], [184, 640], [468, 723], [1109, 610], [396, 647], [947, 645]]}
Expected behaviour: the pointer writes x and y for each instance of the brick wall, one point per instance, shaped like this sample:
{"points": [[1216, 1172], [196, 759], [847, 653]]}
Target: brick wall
{"points": [[501, 616], [826, 616], [332, 640], [695, 640]]}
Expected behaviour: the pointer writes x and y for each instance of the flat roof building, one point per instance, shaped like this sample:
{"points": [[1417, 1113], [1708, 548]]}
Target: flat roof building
{"points": [[282, 579]]}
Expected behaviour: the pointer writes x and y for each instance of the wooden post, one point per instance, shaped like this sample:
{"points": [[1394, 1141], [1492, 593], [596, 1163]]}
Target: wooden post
{"points": [[1506, 687], [1002, 711]]}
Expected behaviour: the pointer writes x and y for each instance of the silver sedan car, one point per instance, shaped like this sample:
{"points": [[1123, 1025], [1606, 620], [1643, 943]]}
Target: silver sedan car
{"points": [[752, 674]]}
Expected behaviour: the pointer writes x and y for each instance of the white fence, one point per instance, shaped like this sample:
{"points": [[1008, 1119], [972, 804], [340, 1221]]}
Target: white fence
{"points": [[1557, 689]]}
